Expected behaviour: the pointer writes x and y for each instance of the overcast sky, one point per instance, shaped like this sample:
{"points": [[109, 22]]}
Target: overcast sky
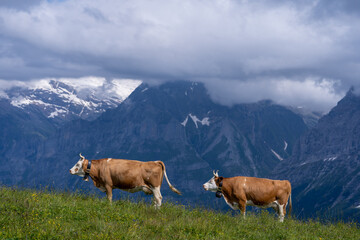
{"points": [[302, 53]]}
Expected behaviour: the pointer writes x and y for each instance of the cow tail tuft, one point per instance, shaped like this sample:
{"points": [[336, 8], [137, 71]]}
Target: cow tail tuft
{"points": [[167, 180]]}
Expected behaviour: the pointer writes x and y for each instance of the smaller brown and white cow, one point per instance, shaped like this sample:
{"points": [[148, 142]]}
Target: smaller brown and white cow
{"points": [[260, 192], [128, 175]]}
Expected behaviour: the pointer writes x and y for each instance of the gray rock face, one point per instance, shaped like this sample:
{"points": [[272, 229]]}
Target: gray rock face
{"points": [[324, 168], [22, 136]]}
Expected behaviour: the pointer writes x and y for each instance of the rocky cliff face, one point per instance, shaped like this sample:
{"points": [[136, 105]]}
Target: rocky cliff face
{"points": [[22, 136], [324, 168]]}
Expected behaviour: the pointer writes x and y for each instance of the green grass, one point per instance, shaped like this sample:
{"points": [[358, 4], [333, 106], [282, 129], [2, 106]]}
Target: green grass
{"points": [[30, 214]]}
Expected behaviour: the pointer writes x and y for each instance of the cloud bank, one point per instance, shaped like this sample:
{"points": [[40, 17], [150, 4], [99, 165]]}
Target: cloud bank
{"points": [[301, 52]]}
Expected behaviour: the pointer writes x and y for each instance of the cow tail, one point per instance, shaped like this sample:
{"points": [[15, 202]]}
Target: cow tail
{"points": [[290, 204], [167, 180]]}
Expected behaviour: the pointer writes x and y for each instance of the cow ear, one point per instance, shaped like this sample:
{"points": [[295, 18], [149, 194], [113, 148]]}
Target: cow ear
{"points": [[219, 179]]}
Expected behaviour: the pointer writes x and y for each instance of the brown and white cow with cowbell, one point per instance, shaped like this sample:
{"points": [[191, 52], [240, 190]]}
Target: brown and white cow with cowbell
{"points": [[128, 175], [260, 192]]}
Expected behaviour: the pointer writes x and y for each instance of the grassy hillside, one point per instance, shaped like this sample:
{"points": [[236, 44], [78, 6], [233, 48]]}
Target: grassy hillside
{"points": [[30, 214]]}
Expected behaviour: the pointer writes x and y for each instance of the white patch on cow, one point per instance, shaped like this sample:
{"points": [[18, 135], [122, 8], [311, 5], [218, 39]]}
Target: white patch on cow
{"points": [[109, 159], [210, 185], [281, 212], [157, 196], [277, 155], [77, 169]]}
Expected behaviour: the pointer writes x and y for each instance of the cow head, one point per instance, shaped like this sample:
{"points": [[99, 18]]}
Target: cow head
{"points": [[212, 184], [78, 169]]}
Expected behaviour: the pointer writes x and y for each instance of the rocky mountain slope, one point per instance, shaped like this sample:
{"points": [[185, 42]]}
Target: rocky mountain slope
{"points": [[324, 168], [22, 136]]}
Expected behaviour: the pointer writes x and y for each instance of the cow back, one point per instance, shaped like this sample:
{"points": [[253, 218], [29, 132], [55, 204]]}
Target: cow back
{"points": [[260, 191], [129, 174]]}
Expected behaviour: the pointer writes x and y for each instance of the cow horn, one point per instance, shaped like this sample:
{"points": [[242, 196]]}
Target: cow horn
{"points": [[215, 173], [82, 156]]}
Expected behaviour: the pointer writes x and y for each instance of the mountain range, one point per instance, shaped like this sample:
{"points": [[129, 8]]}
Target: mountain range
{"points": [[324, 167], [178, 123], [68, 99]]}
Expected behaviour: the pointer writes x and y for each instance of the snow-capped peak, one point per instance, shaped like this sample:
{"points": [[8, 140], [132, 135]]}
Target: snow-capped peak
{"points": [[84, 97]]}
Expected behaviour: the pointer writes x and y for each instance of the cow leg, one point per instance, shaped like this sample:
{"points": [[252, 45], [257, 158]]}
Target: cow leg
{"points": [[276, 209], [242, 206], [109, 193], [157, 197], [282, 212]]}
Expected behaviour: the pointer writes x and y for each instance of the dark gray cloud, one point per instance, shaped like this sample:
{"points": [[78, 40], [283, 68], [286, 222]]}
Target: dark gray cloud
{"points": [[19, 4], [326, 8], [242, 50]]}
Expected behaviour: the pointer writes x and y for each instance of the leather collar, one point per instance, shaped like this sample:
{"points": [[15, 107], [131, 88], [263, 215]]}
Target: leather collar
{"points": [[88, 167], [218, 193]]}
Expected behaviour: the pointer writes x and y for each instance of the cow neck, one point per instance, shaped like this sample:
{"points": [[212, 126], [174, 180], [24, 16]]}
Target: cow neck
{"points": [[88, 167]]}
